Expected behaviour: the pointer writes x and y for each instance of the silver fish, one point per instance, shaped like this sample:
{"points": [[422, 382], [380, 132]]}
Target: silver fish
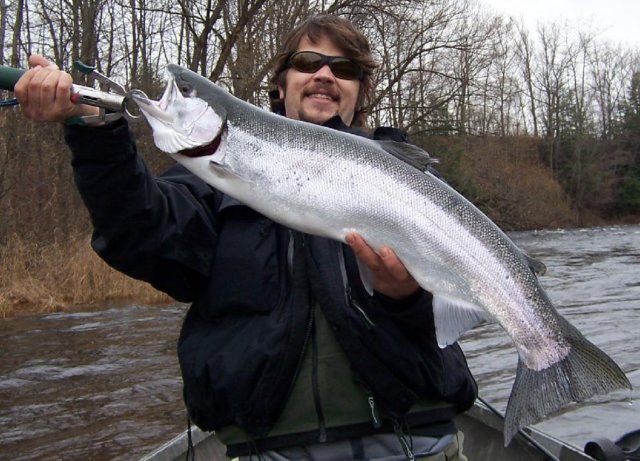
{"points": [[324, 182]]}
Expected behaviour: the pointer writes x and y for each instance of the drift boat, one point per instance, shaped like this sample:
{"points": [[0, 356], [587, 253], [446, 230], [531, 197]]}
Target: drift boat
{"points": [[483, 441]]}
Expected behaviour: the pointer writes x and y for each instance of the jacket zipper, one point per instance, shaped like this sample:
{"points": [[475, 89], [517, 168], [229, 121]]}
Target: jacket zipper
{"points": [[375, 416], [309, 327], [369, 324], [284, 291], [312, 334], [305, 343], [315, 384]]}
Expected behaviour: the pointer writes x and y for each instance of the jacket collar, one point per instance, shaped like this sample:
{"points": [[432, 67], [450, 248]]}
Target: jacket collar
{"points": [[336, 123]]}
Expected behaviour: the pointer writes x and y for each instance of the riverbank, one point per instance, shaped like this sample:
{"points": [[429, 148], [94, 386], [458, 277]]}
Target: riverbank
{"points": [[58, 276], [61, 276]]}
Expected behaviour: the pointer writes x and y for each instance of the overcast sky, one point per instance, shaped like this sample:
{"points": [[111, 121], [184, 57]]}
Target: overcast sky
{"points": [[617, 21]]}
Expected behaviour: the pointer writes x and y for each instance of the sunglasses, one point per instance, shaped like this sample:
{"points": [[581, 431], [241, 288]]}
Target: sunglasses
{"points": [[310, 62]]}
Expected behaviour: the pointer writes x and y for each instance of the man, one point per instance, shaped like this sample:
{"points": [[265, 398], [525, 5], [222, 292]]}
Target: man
{"points": [[283, 352]]}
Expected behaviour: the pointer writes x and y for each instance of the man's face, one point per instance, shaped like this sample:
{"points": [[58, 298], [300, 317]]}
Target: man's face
{"points": [[319, 96]]}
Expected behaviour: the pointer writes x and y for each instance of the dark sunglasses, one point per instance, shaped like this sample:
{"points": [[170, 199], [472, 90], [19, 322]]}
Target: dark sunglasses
{"points": [[310, 62]]}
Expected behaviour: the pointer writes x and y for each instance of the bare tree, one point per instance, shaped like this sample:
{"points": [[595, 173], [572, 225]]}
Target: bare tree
{"points": [[411, 40], [255, 49], [525, 53], [578, 55], [610, 72], [16, 40], [200, 18], [4, 11], [504, 99]]}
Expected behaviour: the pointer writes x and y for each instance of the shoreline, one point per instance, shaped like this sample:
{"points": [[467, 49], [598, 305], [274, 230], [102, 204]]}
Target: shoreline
{"points": [[35, 281], [37, 285]]}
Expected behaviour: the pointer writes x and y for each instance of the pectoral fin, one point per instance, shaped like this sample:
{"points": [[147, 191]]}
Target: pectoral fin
{"points": [[223, 171], [453, 318], [366, 276]]}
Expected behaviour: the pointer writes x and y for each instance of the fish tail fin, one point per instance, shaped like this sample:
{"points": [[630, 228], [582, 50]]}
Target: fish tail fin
{"points": [[585, 372]]}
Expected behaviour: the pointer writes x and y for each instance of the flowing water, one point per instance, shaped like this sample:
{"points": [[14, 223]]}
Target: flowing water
{"points": [[593, 278], [100, 384], [103, 383]]}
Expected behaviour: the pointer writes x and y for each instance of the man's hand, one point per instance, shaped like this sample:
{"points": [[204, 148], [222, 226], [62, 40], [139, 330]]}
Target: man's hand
{"points": [[390, 277], [44, 93]]}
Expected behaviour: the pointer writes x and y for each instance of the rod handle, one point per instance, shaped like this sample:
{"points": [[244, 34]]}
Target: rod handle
{"points": [[9, 76]]}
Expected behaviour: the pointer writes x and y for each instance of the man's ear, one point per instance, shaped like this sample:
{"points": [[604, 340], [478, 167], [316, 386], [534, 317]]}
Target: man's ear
{"points": [[281, 91]]}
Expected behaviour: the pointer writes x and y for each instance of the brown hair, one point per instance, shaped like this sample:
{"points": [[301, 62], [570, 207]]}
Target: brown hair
{"points": [[343, 35]]}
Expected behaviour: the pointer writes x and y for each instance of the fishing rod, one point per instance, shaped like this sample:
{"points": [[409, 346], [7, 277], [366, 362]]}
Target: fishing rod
{"points": [[113, 101], [9, 76], [550, 456]]}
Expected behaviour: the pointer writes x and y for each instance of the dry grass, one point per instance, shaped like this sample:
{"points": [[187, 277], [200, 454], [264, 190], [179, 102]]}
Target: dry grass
{"points": [[504, 177], [516, 189], [57, 276]]}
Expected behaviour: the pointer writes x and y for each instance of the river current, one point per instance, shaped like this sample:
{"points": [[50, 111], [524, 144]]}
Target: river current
{"points": [[103, 383]]}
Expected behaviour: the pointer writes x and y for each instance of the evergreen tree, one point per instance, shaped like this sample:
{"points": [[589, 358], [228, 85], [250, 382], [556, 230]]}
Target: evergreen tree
{"points": [[628, 197]]}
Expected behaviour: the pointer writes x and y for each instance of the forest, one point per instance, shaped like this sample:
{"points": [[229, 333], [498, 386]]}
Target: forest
{"points": [[539, 128]]}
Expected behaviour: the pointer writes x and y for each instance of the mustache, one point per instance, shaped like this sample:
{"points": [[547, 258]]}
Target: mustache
{"points": [[321, 88]]}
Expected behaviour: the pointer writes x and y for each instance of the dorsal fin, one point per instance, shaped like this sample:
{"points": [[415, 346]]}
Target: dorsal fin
{"points": [[408, 153], [536, 266]]}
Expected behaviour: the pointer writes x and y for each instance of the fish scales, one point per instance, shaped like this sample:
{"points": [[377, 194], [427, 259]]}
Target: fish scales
{"points": [[330, 183], [381, 175]]}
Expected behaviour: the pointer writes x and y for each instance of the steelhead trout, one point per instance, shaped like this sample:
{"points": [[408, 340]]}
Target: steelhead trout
{"points": [[328, 183]]}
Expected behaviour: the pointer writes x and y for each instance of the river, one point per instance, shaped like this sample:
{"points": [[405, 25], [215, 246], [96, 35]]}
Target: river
{"points": [[103, 383]]}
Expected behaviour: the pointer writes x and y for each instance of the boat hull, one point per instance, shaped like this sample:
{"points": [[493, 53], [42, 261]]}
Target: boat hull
{"points": [[483, 440]]}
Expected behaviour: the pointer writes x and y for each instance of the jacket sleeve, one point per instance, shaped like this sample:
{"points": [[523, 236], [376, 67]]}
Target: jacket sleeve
{"points": [[157, 229], [414, 315]]}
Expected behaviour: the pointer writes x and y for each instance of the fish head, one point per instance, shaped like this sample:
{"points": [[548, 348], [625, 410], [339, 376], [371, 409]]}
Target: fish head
{"points": [[183, 121]]}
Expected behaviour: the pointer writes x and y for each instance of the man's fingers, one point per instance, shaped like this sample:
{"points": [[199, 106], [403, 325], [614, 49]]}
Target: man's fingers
{"points": [[37, 60], [364, 252], [386, 260], [393, 264], [63, 91], [395, 268], [391, 277], [36, 93], [48, 87], [44, 92]]}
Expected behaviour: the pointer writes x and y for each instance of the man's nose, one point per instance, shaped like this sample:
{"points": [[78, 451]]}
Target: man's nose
{"points": [[324, 73]]}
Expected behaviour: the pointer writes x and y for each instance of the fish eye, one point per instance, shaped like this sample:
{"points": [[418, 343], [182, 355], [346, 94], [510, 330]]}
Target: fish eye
{"points": [[185, 89]]}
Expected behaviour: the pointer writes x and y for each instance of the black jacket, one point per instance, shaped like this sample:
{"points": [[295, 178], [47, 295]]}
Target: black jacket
{"points": [[250, 282]]}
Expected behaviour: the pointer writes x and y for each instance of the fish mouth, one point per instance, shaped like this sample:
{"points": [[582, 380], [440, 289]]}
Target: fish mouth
{"points": [[157, 109], [181, 123]]}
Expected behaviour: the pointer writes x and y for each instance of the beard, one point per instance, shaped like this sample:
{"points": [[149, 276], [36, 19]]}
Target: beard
{"points": [[319, 117]]}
